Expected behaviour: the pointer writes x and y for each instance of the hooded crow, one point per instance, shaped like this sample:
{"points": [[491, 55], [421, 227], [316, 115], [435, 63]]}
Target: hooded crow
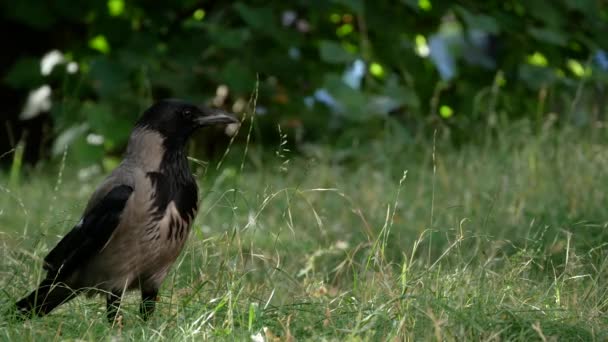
{"points": [[136, 222]]}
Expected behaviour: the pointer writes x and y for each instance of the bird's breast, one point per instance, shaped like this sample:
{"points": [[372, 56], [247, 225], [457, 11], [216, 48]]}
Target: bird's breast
{"points": [[164, 190], [171, 210], [171, 226]]}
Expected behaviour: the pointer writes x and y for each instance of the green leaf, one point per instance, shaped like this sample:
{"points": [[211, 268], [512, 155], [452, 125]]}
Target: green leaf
{"points": [[100, 43], [381, 104], [353, 102], [116, 7], [332, 52], [238, 77], [412, 4], [262, 19], [110, 79], [354, 5], [85, 153], [446, 111], [65, 113], [66, 137], [227, 37], [24, 74], [252, 310], [481, 22], [536, 77], [587, 7], [548, 36], [545, 11], [258, 18], [403, 95], [109, 123]]}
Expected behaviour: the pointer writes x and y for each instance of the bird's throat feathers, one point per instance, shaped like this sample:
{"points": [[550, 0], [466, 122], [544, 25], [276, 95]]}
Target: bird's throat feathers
{"points": [[153, 152], [167, 168], [146, 149]]}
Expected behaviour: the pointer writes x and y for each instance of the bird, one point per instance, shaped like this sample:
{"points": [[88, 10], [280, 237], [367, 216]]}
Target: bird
{"points": [[135, 223]]}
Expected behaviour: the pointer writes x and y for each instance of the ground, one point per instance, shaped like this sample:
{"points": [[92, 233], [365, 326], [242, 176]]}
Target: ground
{"points": [[407, 237]]}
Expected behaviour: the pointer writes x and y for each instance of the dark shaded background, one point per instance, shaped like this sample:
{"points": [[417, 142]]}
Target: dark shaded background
{"points": [[327, 71]]}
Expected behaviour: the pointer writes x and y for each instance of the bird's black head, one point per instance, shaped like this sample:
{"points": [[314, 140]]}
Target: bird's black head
{"points": [[176, 120]]}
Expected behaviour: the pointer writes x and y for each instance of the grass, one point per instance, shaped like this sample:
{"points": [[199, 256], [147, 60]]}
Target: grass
{"points": [[400, 239]]}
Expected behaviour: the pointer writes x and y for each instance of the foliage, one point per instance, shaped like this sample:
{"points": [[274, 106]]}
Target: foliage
{"points": [[334, 69], [503, 241]]}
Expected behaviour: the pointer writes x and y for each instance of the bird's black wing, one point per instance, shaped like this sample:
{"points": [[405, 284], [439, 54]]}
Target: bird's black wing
{"points": [[89, 236]]}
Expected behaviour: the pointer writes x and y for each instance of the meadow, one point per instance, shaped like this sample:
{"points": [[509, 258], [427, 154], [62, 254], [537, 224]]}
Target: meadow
{"points": [[406, 237]]}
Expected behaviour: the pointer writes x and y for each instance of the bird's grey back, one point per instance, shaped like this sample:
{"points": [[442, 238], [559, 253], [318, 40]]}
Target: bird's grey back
{"points": [[144, 152]]}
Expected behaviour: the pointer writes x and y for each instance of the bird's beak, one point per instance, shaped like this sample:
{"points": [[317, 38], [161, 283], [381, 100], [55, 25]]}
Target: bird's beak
{"points": [[212, 116]]}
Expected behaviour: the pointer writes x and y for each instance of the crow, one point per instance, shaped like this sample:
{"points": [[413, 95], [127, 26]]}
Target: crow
{"points": [[136, 222]]}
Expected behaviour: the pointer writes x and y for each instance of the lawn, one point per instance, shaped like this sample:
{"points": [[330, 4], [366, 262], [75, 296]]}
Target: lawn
{"points": [[404, 237]]}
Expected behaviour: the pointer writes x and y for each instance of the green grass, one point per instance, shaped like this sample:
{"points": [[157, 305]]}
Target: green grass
{"points": [[402, 238]]}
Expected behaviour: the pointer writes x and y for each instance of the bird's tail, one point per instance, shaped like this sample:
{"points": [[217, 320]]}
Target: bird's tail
{"points": [[44, 299]]}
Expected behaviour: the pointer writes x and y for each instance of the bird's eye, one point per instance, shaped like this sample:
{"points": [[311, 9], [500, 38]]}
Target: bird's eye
{"points": [[187, 114]]}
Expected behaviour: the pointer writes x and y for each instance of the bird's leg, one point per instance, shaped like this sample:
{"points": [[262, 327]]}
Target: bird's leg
{"points": [[112, 304], [148, 302]]}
